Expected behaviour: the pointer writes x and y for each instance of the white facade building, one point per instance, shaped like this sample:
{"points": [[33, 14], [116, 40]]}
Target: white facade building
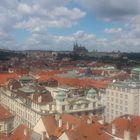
{"points": [[28, 103], [122, 98], [23, 114]]}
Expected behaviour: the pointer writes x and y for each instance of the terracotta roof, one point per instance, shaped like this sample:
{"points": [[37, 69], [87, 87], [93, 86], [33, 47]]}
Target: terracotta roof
{"points": [[75, 128], [86, 131], [3, 137], [4, 77], [50, 124], [4, 114], [126, 123], [77, 82], [72, 120], [21, 133]]}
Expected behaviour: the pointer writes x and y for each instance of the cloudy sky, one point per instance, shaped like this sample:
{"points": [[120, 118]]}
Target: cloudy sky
{"points": [[103, 25]]}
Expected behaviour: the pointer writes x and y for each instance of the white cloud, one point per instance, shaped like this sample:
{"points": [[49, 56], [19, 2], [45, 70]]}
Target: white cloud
{"points": [[113, 30], [113, 9], [36, 16], [47, 42], [49, 13], [39, 16], [24, 8]]}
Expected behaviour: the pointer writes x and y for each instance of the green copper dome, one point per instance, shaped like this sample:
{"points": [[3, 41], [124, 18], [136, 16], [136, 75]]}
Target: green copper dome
{"points": [[136, 70], [26, 78], [27, 90], [61, 96], [91, 92]]}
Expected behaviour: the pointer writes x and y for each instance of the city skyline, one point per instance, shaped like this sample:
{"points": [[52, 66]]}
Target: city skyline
{"points": [[56, 24]]}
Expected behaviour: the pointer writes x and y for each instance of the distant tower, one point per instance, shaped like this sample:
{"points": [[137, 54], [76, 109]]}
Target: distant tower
{"points": [[79, 49], [75, 46]]}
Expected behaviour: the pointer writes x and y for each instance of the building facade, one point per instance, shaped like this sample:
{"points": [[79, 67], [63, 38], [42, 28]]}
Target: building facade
{"points": [[122, 98], [6, 121], [28, 104], [135, 74]]}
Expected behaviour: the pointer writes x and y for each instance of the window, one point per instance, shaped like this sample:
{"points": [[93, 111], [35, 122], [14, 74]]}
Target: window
{"points": [[112, 117], [71, 107], [121, 96], [126, 109], [94, 104], [119, 89], [123, 89], [126, 103], [107, 109], [63, 107], [126, 96], [10, 125], [50, 107], [121, 101], [108, 114], [86, 105], [128, 90]]}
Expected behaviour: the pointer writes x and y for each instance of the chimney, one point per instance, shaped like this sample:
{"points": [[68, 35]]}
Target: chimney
{"points": [[25, 132], [102, 121], [72, 127], [129, 118], [43, 135], [60, 123], [89, 120], [39, 99], [57, 116], [67, 126], [138, 137], [113, 129], [126, 135]]}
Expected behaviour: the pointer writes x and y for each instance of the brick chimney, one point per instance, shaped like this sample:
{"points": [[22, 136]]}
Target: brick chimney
{"points": [[60, 123], [113, 129], [126, 135]]}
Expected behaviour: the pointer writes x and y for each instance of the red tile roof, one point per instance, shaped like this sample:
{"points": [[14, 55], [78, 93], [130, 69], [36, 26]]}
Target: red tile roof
{"points": [[75, 128], [86, 131], [4, 137], [21, 133], [4, 77], [126, 123], [77, 82], [50, 124]]}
